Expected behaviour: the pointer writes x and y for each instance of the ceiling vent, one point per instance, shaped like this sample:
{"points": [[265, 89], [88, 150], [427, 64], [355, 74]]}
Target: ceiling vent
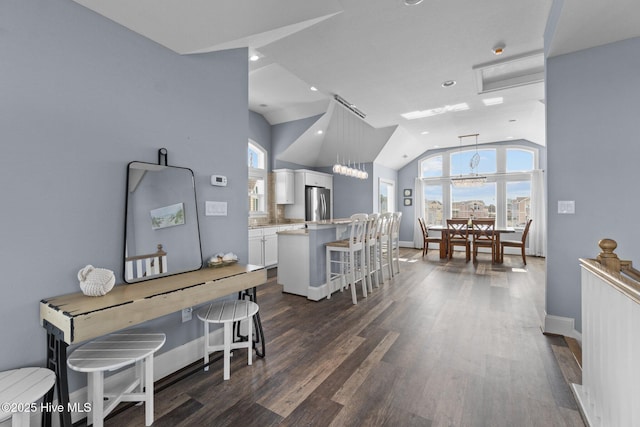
{"points": [[516, 71]]}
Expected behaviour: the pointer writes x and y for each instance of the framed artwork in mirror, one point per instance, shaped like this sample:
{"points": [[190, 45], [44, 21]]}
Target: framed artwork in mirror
{"points": [[408, 192], [162, 235]]}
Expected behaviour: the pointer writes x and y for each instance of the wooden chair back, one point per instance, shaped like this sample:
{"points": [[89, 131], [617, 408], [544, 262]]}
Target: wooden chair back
{"points": [[423, 227], [483, 230], [458, 229], [526, 231]]}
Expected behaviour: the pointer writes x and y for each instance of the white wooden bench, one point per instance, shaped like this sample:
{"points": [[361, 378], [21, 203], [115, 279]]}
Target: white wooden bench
{"points": [[113, 352], [228, 312], [20, 389]]}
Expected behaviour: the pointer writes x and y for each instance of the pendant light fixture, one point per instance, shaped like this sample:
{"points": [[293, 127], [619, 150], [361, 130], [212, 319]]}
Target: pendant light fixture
{"points": [[473, 179], [349, 136]]}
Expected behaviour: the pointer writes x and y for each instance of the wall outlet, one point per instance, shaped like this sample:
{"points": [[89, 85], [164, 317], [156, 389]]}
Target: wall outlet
{"points": [[187, 314]]}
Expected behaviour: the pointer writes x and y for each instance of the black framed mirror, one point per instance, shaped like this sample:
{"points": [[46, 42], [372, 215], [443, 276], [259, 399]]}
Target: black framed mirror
{"points": [[162, 235]]}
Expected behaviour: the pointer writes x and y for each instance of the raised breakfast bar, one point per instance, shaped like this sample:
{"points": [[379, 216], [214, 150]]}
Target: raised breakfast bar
{"points": [[301, 257]]}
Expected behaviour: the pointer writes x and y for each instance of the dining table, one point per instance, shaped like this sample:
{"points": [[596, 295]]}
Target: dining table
{"points": [[498, 231]]}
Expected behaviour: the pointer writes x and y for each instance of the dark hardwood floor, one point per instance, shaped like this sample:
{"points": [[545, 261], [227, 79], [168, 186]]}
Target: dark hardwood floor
{"points": [[445, 343]]}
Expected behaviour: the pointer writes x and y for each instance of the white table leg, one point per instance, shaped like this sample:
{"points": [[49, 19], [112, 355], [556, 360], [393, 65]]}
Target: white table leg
{"points": [[206, 346], [148, 390], [227, 349]]}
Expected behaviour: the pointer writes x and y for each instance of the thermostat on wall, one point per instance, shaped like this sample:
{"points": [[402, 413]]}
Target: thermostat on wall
{"points": [[219, 180]]}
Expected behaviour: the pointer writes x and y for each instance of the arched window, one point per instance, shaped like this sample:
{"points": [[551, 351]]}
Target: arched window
{"points": [[257, 162], [506, 194]]}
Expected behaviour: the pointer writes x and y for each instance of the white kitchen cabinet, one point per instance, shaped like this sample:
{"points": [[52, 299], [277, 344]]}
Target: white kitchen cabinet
{"points": [[263, 244], [255, 247], [305, 178], [270, 237], [285, 179]]}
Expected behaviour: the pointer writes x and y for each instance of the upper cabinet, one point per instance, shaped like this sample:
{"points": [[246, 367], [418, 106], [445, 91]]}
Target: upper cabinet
{"points": [[285, 179], [307, 178], [317, 179]]}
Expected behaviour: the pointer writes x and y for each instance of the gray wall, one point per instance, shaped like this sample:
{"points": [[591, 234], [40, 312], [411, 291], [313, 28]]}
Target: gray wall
{"points": [[593, 151], [81, 97], [351, 195]]}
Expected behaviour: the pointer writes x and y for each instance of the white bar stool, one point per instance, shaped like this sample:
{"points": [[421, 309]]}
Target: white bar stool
{"points": [[227, 312], [350, 267], [20, 389], [113, 352]]}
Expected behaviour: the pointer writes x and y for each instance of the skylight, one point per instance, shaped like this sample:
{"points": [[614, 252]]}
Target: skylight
{"points": [[493, 101], [435, 111]]}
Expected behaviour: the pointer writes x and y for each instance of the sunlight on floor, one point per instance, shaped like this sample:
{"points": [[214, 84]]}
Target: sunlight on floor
{"points": [[518, 270]]}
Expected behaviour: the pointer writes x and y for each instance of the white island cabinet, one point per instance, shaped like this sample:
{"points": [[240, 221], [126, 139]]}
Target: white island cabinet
{"points": [[302, 255], [293, 269]]}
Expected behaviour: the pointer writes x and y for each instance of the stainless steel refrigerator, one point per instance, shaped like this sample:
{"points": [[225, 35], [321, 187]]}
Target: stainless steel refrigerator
{"points": [[317, 203]]}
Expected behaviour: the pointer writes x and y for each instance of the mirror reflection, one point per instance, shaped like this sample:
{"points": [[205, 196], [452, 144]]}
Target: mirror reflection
{"points": [[161, 231]]}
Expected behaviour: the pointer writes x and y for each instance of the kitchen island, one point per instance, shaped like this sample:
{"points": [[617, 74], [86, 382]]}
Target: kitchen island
{"points": [[302, 257]]}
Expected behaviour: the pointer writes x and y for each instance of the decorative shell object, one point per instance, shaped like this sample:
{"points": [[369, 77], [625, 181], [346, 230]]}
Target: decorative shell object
{"points": [[96, 282]]}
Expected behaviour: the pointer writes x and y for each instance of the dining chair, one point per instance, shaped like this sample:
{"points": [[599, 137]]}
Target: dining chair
{"points": [[426, 238], [458, 235], [517, 243], [484, 236]]}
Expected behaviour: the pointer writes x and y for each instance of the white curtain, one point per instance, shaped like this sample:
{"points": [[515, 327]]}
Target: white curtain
{"points": [[418, 206], [538, 230]]}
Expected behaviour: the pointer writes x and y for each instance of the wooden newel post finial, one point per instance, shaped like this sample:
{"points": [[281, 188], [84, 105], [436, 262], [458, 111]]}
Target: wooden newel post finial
{"points": [[607, 257]]}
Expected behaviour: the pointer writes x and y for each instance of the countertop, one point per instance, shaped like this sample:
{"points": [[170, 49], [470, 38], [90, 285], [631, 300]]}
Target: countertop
{"points": [[280, 224], [299, 232]]}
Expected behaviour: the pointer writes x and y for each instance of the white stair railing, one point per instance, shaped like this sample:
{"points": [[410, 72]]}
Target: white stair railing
{"points": [[610, 386]]}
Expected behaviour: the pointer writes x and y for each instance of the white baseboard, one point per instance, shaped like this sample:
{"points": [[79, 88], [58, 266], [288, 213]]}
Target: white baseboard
{"points": [[407, 244], [316, 293], [582, 401], [561, 326], [163, 365]]}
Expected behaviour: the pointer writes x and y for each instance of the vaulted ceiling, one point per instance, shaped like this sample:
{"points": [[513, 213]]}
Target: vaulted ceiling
{"points": [[387, 59]]}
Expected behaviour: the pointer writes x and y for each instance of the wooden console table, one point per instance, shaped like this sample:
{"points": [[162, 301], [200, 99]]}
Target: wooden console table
{"points": [[74, 318]]}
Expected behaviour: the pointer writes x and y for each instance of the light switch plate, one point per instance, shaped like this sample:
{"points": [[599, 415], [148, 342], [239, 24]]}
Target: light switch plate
{"points": [[215, 208], [566, 206]]}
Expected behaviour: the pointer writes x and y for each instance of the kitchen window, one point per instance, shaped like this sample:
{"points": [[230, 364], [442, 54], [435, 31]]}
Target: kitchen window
{"points": [[257, 163]]}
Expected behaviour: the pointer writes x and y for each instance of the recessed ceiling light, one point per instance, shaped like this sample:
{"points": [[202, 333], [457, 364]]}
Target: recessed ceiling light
{"points": [[313, 88], [254, 57], [263, 105], [436, 146], [424, 132], [509, 137], [412, 2], [448, 83], [493, 101], [404, 156], [320, 132], [498, 49], [512, 120]]}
